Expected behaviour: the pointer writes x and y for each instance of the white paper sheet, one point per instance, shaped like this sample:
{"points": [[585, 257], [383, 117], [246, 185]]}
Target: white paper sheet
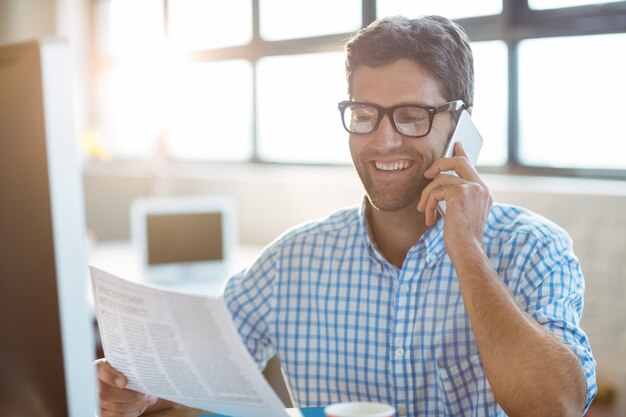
{"points": [[180, 347]]}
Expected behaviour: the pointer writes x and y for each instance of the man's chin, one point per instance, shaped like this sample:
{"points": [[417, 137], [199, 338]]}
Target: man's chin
{"points": [[392, 202], [389, 196]]}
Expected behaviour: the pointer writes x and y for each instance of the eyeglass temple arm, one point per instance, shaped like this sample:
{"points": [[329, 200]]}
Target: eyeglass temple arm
{"points": [[456, 105]]}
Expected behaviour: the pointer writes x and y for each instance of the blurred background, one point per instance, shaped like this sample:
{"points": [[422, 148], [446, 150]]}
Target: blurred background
{"points": [[238, 98]]}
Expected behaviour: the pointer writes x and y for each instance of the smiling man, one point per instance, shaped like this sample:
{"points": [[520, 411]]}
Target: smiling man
{"points": [[472, 314]]}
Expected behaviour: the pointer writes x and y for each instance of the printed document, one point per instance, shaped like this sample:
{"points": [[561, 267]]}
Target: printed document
{"points": [[181, 347]]}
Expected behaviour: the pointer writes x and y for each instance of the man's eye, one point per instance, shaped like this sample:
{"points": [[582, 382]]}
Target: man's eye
{"points": [[362, 117], [411, 115], [412, 119]]}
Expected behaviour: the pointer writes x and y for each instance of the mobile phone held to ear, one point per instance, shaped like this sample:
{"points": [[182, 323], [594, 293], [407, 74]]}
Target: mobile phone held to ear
{"points": [[466, 133]]}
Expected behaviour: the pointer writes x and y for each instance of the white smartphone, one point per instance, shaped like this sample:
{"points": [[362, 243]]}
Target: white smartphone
{"points": [[466, 133]]}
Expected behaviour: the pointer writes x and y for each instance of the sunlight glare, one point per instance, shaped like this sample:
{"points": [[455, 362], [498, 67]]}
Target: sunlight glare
{"points": [[571, 105]]}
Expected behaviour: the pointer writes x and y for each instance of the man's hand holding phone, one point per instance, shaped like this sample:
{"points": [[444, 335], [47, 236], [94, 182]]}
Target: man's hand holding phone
{"points": [[457, 190], [467, 198]]}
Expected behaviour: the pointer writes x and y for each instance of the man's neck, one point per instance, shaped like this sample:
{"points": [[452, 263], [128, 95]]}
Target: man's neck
{"points": [[396, 232]]}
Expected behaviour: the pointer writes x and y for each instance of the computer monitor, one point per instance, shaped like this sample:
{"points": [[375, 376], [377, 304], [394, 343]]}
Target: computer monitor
{"points": [[184, 239], [46, 328]]}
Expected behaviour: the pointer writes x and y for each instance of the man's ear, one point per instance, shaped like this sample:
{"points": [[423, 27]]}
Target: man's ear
{"points": [[469, 110]]}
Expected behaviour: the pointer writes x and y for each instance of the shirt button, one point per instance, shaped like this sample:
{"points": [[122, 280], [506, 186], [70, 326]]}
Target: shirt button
{"points": [[431, 259], [405, 288], [402, 411], [399, 352]]}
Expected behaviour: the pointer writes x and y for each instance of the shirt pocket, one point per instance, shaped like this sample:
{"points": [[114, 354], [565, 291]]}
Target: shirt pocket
{"points": [[465, 390]]}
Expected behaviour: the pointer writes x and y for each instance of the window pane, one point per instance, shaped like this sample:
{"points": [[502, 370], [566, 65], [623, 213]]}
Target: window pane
{"points": [[298, 120], [452, 9], [196, 25], [211, 112], [571, 102], [130, 28], [130, 109], [288, 19], [558, 4], [490, 112], [203, 111]]}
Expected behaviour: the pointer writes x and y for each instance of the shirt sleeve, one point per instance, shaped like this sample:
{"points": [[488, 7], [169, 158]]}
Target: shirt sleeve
{"points": [[248, 297], [550, 287]]}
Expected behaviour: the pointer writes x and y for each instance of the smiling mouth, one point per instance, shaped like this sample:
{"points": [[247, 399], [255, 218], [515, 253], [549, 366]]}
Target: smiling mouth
{"points": [[393, 166]]}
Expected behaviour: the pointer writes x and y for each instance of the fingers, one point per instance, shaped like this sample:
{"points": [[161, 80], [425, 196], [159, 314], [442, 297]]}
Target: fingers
{"points": [[441, 181], [448, 188], [126, 409], [115, 400], [459, 150], [108, 375], [458, 163], [123, 402], [110, 393], [444, 182], [429, 206]]}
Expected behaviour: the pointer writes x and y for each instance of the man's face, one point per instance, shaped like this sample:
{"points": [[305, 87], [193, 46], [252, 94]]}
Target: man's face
{"points": [[391, 166]]}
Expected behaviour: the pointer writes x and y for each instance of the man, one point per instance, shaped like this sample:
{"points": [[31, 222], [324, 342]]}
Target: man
{"points": [[475, 313]]}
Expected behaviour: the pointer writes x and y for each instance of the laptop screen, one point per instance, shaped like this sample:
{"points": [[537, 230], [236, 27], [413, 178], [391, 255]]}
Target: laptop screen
{"points": [[185, 237]]}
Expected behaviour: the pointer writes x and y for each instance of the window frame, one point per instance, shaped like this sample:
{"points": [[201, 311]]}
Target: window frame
{"points": [[516, 23]]}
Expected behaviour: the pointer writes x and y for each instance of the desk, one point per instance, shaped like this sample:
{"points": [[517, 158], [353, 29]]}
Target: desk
{"points": [[190, 412], [292, 412], [121, 258]]}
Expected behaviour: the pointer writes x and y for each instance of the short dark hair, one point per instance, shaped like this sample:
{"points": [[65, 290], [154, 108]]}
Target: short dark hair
{"points": [[437, 44]]}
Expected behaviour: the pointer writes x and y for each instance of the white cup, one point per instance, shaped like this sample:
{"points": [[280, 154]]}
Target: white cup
{"points": [[359, 409]]}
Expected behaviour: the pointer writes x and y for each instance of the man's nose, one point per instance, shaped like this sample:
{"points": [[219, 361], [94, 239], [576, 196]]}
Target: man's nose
{"points": [[386, 136]]}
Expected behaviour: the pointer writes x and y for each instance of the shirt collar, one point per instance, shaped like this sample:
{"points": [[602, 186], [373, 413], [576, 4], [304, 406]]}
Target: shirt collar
{"points": [[431, 240], [366, 233]]}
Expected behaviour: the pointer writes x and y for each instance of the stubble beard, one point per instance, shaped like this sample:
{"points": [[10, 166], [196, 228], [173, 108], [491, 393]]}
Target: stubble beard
{"points": [[396, 197]]}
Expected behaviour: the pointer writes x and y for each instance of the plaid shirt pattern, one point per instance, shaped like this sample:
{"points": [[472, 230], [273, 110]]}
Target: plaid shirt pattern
{"points": [[347, 325]]}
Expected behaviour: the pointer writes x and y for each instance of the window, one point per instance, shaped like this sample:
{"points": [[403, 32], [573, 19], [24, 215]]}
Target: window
{"points": [[301, 127], [259, 80], [491, 100], [571, 107], [197, 25], [558, 4], [117, 28], [288, 19], [211, 112], [452, 9], [129, 110]]}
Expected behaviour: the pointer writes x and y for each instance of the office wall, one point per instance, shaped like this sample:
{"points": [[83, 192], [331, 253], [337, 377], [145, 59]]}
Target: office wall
{"points": [[22, 20], [270, 199], [25, 19]]}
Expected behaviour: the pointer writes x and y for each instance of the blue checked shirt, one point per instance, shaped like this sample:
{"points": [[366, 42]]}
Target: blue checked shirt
{"points": [[348, 325]]}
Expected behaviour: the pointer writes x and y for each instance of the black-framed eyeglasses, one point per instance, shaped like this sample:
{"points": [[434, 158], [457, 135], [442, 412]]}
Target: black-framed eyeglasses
{"points": [[412, 120]]}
